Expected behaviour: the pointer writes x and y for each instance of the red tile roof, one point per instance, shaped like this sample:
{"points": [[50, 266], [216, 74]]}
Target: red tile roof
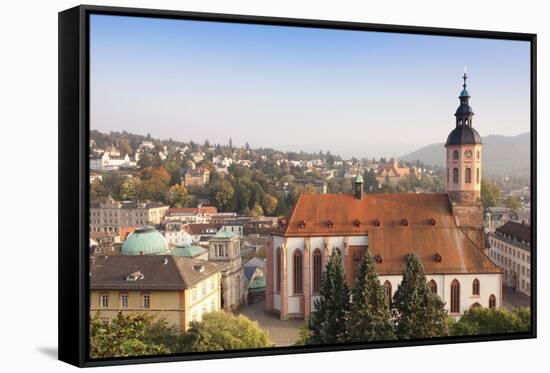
{"points": [[204, 210], [430, 230]]}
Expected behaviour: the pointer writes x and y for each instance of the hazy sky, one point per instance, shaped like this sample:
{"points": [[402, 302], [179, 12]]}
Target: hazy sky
{"points": [[350, 92]]}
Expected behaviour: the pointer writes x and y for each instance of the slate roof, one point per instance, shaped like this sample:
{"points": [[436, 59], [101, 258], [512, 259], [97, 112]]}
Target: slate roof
{"points": [[160, 272], [463, 135], [517, 231]]}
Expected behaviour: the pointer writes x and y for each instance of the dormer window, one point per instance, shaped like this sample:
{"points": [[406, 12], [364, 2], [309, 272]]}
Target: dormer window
{"points": [[377, 223], [438, 258], [135, 276], [302, 224], [404, 222], [330, 224], [432, 221], [378, 259], [356, 223]]}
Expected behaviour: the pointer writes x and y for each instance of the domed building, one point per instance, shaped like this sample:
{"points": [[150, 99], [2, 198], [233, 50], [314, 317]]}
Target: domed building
{"points": [[145, 241]]}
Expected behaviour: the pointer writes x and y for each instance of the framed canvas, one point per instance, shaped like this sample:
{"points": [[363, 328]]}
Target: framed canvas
{"points": [[234, 186]]}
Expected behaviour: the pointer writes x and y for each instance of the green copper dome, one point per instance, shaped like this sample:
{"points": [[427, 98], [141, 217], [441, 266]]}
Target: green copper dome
{"points": [[188, 251], [145, 241]]}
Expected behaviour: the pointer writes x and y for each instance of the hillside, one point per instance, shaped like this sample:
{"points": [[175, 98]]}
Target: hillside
{"points": [[502, 155]]}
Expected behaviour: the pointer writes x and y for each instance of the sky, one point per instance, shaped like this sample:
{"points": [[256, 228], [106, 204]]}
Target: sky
{"points": [[353, 93]]}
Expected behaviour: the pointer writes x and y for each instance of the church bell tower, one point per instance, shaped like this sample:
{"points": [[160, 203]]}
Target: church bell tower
{"points": [[464, 151]]}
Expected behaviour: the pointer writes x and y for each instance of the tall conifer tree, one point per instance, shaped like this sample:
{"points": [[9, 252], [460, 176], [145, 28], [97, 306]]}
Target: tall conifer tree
{"points": [[370, 317], [327, 323], [418, 312]]}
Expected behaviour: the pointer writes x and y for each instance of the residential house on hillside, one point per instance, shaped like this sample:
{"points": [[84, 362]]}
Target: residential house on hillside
{"points": [[199, 177]]}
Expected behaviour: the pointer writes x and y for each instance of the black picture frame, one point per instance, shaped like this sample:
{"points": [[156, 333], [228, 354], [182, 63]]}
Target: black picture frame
{"points": [[74, 187]]}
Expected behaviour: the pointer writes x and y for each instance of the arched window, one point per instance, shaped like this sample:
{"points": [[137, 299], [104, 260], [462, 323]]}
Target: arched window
{"points": [[468, 175], [387, 290], [475, 305], [478, 155], [297, 271], [455, 175], [455, 155], [278, 263], [492, 301], [477, 175], [317, 271], [455, 296], [475, 287], [432, 285]]}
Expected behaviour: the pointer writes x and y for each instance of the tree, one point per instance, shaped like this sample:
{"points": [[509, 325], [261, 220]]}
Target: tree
{"points": [[513, 203], [490, 321], [222, 331], [255, 211], [269, 204], [124, 147], [490, 194], [327, 322], [153, 190], [417, 311], [112, 183], [371, 184], [223, 195], [159, 173], [370, 316], [178, 196], [124, 336], [129, 189]]}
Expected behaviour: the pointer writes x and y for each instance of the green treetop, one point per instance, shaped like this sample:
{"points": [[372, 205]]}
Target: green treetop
{"points": [[418, 313], [327, 323], [370, 317]]}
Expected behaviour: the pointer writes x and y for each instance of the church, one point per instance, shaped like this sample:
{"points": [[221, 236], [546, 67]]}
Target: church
{"points": [[445, 230]]}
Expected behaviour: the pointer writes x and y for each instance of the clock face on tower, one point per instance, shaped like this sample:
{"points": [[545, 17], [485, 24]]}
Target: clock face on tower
{"points": [[468, 154]]}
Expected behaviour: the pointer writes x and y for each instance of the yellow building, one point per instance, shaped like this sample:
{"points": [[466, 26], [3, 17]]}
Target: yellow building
{"points": [[178, 289]]}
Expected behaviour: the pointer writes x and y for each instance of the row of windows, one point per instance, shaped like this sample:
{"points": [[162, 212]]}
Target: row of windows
{"points": [[510, 250], [467, 175], [317, 267], [104, 300], [204, 310], [467, 155], [211, 286], [104, 229]]}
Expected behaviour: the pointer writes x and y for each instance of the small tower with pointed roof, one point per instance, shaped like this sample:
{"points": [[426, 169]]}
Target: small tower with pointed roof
{"points": [[359, 186], [464, 151]]}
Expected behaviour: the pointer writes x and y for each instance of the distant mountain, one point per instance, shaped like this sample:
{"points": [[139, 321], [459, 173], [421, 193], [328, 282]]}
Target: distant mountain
{"points": [[502, 155]]}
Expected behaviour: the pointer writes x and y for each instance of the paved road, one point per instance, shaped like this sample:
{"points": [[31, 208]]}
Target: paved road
{"points": [[281, 332], [513, 299]]}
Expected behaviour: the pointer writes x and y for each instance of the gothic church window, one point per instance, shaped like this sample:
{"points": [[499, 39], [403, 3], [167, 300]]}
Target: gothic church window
{"points": [[317, 266], [455, 175], [387, 289], [475, 287], [297, 271], [455, 296], [432, 285]]}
